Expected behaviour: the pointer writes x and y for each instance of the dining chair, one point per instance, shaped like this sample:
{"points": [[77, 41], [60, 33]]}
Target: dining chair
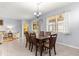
{"points": [[27, 38], [32, 39], [51, 44], [41, 33], [35, 42], [47, 33]]}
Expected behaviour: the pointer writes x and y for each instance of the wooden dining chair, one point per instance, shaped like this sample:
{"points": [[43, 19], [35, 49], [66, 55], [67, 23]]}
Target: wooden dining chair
{"points": [[35, 42], [51, 44], [32, 39], [41, 33], [47, 33], [27, 38]]}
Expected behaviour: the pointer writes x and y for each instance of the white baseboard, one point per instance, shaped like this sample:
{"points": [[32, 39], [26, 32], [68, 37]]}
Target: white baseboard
{"points": [[68, 45]]}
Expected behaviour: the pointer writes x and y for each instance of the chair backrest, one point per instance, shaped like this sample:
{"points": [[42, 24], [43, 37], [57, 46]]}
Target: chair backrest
{"points": [[33, 38], [27, 36], [52, 40], [47, 33], [41, 33]]}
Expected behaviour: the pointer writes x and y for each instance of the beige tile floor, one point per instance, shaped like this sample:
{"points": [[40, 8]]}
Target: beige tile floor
{"points": [[13, 49]]}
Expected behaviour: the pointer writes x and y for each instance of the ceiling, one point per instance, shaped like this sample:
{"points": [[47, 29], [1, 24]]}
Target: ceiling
{"points": [[19, 10]]}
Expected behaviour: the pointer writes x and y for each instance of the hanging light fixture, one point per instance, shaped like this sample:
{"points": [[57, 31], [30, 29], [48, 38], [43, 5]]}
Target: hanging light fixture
{"points": [[37, 13]]}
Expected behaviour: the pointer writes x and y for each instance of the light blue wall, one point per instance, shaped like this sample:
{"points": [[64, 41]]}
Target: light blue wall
{"points": [[42, 23], [72, 39], [19, 27], [11, 22]]}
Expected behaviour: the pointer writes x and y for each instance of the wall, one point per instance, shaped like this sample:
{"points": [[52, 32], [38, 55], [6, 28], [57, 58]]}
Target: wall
{"points": [[71, 37], [10, 22], [19, 28]]}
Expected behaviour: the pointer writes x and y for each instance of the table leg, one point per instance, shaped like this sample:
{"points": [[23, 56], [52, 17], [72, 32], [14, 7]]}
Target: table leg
{"points": [[40, 48]]}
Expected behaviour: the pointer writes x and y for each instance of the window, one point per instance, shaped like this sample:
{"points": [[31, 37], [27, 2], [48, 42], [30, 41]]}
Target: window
{"points": [[55, 23]]}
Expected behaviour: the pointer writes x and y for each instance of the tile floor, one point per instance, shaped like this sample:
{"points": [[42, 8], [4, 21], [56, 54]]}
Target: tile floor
{"points": [[13, 49]]}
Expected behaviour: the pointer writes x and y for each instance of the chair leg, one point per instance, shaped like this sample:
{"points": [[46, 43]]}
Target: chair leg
{"points": [[36, 51], [54, 50], [31, 47], [49, 52], [45, 49], [26, 44]]}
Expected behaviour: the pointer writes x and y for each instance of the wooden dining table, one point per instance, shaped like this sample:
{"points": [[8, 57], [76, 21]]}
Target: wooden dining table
{"points": [[41, 40]]}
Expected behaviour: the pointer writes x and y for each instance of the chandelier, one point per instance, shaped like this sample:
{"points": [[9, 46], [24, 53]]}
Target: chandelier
{"points": [[37, 13]]}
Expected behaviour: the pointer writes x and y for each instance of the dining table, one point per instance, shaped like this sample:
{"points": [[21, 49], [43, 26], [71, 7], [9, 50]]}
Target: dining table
{"points": [[41, 40]]}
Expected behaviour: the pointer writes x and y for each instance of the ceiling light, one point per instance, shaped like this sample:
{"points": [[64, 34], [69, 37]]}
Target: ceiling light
{"points": [[37, 13]]}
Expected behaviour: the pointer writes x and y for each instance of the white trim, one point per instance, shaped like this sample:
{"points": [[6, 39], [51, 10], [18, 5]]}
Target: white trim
{"points": [[67, 45]]}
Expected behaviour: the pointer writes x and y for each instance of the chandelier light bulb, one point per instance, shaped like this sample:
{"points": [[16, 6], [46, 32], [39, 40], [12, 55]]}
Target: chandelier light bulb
{"points": [[35, 13], [40, 13]]}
